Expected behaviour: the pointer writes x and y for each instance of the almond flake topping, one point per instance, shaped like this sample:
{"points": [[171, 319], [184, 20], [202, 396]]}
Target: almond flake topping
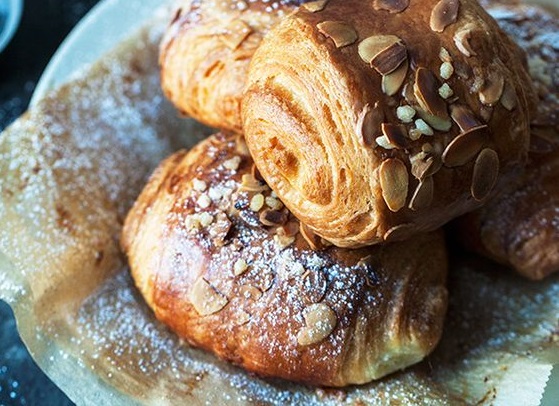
{"points": [[392, 82], [462, 40], [425, 91], [384, 53], [394, 179], [205, 298], [392, 6], [464, 117], [368, 123], [396, 134], [240, 267], [257, 202], [315, 6], [320, 321], [444, 13], [465, 146], [340, 32], [384, 142], [486, 171], [492, 89]]}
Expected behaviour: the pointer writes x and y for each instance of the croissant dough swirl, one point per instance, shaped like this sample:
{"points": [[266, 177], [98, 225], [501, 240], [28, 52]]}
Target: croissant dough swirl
{"points": [[258, 295], [521, 228], [374, 122], [206, 51]]}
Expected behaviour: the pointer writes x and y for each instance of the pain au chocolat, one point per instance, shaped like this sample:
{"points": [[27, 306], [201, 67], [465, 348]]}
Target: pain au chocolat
{"points": [[224, 264], [521, 227], [206, 52], [376, 120]]}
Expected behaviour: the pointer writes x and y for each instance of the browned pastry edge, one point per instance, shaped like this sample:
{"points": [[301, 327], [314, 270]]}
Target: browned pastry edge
{"points": [[338, 147], [521, 228], [258, 295], [206, 51]]}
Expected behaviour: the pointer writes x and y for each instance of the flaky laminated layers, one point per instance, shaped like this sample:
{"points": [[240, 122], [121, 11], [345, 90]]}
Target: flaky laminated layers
{"points": [[373, 125], [206, 51], [499, 343], [225, 265]]}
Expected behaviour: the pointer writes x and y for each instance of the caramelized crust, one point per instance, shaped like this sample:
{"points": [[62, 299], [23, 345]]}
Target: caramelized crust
{"points": [[521, 228], [257, 295], [206, 51], [374, 124]]}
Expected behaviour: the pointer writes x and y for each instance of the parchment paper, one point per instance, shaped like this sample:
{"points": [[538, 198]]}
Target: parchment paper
{"points": [[70, 169]]}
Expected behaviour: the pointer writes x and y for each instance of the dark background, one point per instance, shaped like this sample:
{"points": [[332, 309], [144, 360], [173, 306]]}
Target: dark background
{"points": [[44, 24]]}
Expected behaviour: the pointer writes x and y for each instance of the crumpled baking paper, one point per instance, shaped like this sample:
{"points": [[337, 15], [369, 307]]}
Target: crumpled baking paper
{"points": [[70, 169]]}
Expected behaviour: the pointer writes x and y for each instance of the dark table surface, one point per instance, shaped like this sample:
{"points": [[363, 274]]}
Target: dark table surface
{"points": [[44, 24]]}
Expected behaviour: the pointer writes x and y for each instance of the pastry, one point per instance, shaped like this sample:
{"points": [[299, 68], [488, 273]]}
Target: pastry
{"points": [[206, 51], [376, 120], [222, 262], [521, 227]]}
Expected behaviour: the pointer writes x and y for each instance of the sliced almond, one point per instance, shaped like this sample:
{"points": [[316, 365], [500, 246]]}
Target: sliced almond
{"points": [[444, 55], [423, 195], [283, 241], [314, 285], [384, 142], [486, 171], [394, 179], [396, 134], [235, 34], [463, 116], [425, 89], [390, 58], [424, 165], [392, 6], [242, 317], [240, 267], [250, 292], [462, 40], [444, 13], [205, 298], [315, 6], [508, 98], [340, 32], [492, 89], [265, 281], [392, 82], [465, 146], [320, 321], [399, 232], [368, 123], [272, 218], [370, 47], [250, 184], [438, 123]]}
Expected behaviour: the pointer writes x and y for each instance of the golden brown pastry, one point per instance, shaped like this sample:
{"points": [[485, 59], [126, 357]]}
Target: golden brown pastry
{"points": [[206, 51], [521, 228], [375, 120], [222, 262]]}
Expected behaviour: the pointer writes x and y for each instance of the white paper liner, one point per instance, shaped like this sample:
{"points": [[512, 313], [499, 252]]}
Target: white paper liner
{"points": [[72, 167]]}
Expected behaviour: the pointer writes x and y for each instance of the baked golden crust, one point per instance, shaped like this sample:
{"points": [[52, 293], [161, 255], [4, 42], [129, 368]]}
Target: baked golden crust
{"points": [[341, 104], [206, 51], [520, 228], [258, 295]]}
